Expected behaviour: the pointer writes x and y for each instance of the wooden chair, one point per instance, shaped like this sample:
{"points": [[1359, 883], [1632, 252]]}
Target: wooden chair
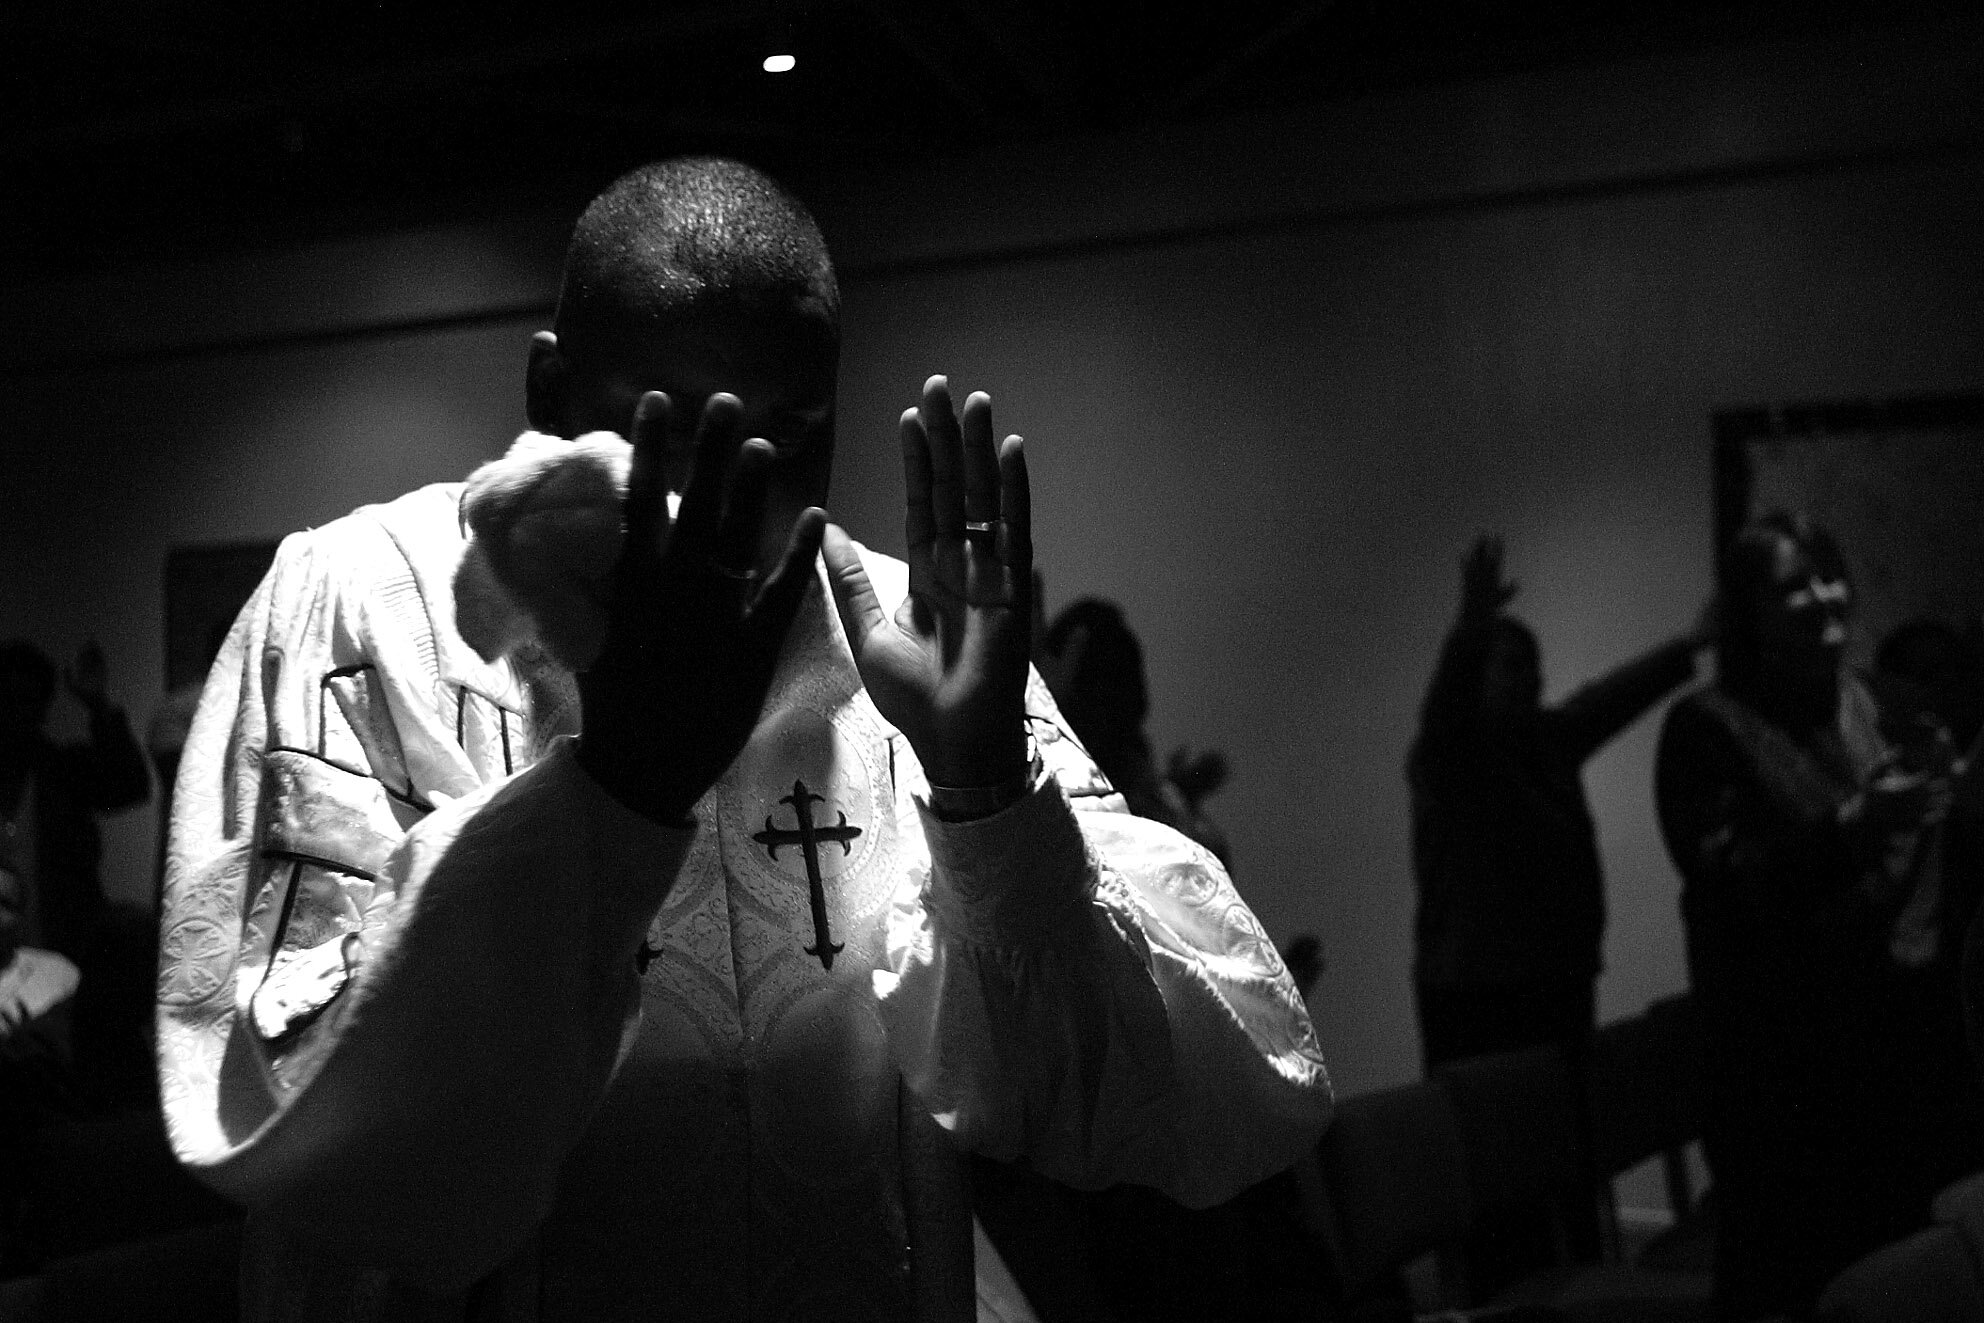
{"points": [[1528, 1180], [1391, 1186], [1647, 1098], [1494, 1144], [1533, 1166]]}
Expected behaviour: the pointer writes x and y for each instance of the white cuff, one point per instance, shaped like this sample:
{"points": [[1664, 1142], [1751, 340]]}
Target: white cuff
{"points": [[1022, 875]]}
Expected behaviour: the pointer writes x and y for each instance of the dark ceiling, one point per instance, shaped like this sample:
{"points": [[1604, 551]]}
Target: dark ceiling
{"points": [[186, 125]]}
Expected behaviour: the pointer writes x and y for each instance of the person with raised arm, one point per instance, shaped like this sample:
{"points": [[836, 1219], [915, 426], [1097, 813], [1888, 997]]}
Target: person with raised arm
{"points": [[607, 891], [1511, 916]]}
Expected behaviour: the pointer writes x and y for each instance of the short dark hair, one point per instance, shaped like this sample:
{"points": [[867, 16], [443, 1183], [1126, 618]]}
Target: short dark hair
{"points": [[664, 240], [1107, 695], [20, 657]]}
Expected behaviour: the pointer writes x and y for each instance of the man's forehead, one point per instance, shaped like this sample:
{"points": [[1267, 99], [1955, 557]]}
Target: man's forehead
{"points": [[790, 347]]}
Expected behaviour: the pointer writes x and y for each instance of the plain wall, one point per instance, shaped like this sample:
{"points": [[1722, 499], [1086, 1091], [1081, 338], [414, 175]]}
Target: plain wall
{"points": [[1273, 451], [1266, 410]]}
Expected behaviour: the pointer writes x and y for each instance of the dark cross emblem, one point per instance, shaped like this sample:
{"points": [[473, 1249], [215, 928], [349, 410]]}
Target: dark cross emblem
{"points": [[807, 836]]}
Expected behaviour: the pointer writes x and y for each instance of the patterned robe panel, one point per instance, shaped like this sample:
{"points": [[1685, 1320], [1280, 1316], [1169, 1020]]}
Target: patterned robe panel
{"points": [[1092, 993], [760, 1078]]}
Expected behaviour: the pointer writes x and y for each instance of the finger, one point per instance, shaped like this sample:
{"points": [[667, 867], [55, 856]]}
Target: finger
{"points": [[701, 511], [1039, 614], [859, 608], [778, 601], [919, 527], [1015, 544], [980, 452], [744, 510], [646, 474], [940, 425]]}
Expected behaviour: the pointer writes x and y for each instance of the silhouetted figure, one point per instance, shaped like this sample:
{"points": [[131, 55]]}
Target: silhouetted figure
{"points": [[35, 987], [1511, 896], [1094, 665], [1940, 668], [1304, 957], [1825, 899], [50, 796]]}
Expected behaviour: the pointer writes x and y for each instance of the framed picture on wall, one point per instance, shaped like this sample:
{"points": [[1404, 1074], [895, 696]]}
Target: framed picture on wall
{"points": [[205, 588], [1899, 483]]}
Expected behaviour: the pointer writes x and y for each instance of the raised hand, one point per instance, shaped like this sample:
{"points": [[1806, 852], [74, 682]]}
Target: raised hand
{"points": [[1483, 590], [692, 637], [949, 671]]}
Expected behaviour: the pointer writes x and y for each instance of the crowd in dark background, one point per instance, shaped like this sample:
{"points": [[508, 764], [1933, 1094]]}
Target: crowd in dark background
{"points": [[1828, 839], [1823, 820]]}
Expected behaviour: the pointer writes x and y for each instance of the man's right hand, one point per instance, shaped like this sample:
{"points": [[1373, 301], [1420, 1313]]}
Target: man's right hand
{"points": [[692, 636]]}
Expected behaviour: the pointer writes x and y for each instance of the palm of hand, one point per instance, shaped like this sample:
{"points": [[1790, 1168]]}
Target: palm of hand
{"points": [[950, 669], [692, 639], [950, 687]]}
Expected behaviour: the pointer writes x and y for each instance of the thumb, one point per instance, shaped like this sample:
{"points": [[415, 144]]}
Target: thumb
{"points": [[860, 609], [778, 601]]}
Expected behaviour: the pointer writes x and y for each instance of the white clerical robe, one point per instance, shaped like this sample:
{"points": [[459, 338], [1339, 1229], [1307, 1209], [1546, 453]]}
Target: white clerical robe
{"points": [[400, 1021]]}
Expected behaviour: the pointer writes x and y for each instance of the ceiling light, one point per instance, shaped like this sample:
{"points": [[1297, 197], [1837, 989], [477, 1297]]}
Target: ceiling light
{"points": [[780, 63]]}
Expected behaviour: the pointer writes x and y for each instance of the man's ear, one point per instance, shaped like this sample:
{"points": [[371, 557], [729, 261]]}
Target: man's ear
{"points": [[547, 380]]}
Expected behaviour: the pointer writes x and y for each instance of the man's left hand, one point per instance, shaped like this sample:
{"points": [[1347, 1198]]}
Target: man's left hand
{"points": [[950, 670]]}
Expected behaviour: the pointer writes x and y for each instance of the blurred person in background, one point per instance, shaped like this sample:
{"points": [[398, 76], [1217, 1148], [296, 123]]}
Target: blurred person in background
{"points": [[50, 845], [1827, 847], [1511, 892], [1094, 666]]}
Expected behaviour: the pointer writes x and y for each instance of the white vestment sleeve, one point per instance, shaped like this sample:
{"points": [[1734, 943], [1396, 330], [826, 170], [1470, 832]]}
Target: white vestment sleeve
{"points": [[414, 1119], [1087, 990]]}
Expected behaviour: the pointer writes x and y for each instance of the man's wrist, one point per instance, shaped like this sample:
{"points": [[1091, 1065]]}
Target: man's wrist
{"points": [[636, 784], [967, 803]]}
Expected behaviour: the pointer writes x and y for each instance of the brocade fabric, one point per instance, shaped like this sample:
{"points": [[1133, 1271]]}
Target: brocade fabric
{"points": [[402, 1022]]}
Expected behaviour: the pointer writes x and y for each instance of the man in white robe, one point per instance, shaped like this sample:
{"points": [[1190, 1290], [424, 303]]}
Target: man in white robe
{"points": [[687, 1016]]}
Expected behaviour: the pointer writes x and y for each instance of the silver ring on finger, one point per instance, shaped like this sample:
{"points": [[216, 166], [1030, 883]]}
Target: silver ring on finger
{"points": [[981, 532]]}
